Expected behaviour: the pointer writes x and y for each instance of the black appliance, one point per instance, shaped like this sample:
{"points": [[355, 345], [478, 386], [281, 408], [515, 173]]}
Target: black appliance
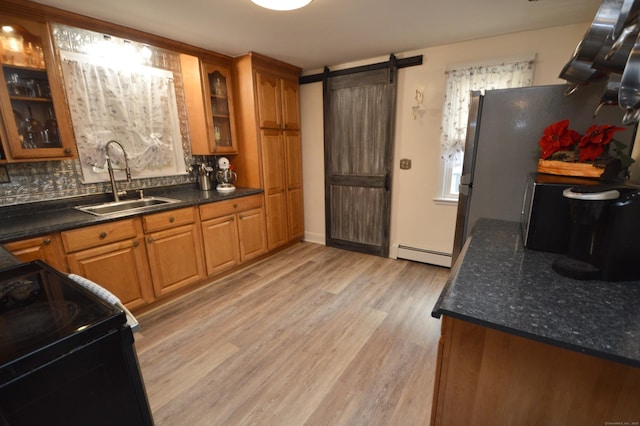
{"points": [[67, 357], [605, 234], [546, 219], [501, 147]]}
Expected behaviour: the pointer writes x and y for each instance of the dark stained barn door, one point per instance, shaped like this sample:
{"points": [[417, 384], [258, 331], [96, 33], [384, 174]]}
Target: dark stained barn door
{"points": [[359, 123]]}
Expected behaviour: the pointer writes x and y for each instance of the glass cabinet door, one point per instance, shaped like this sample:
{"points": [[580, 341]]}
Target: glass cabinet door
{"points": [[28, 102], [219, 101]]}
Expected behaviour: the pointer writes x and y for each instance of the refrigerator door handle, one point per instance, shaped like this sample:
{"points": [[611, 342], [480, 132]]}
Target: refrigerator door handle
{"points": [[463, 189], [465, 179]]}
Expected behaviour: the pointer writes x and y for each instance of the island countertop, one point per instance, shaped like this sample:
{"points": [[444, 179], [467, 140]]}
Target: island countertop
{"points": [[497, 283]]}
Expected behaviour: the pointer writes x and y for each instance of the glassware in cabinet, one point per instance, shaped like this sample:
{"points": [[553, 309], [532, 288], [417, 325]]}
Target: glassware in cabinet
{"points": [[220, 108], [31, 98]]}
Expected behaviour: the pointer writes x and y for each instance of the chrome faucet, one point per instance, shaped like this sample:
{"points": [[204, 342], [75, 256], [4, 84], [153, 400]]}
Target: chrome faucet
{"points": [[114, 188]]}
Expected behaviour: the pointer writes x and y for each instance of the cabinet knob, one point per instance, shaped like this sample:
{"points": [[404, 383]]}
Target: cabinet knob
{"points": [[233, 218], [172, 219], [136, 243], [103, 235], [149, 240], [46, 241], [67, 151], [235, 206]]}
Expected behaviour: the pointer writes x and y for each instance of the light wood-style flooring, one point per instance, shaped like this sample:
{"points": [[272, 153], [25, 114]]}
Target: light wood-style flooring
{"points": [[311, 336]]}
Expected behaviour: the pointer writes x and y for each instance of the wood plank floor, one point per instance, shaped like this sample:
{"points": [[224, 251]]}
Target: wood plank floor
{"points": [[311, 336]]}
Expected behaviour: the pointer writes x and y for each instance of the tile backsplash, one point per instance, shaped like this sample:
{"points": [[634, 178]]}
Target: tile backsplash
{"points": [[48, 180]]}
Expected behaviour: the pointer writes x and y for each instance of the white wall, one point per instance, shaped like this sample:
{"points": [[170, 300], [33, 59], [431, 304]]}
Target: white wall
{"points": [[416, 219]]}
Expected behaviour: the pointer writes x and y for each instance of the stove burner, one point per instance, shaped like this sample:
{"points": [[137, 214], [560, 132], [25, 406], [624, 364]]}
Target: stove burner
{"points": [[36, 320], [19, 291]]}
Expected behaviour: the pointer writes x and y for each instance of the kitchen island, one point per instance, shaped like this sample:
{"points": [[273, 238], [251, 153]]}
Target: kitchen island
{"points": [[521, 344]]}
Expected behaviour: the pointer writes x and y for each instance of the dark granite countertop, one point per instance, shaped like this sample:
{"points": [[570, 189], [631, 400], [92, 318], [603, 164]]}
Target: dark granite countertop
{"points": [[33, 219], [499, 284]]}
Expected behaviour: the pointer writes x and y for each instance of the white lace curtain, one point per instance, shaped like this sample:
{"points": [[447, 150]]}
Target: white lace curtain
{"points": [[134, 105], [460, 83]]}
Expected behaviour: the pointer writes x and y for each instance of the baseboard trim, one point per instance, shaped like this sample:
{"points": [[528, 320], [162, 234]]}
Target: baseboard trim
{"points": [[313, 237], [424, 256]]}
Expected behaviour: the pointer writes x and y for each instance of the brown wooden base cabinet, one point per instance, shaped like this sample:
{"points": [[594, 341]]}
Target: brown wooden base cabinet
{"points": [[488, 377], [47, 248], [233, 232], [174, 247], [141, 259], [114, 256]]}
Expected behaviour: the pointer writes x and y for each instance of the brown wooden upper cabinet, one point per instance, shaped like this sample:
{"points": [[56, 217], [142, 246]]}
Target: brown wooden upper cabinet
{"points": [[277, 102], [35, 124], [209, 102]]}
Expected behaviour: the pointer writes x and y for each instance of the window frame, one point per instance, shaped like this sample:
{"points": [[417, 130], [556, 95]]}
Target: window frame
{"points": [[447, 170]]}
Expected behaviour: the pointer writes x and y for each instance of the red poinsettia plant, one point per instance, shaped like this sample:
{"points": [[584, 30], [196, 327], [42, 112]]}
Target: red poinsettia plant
{"points": [[559, 142]]}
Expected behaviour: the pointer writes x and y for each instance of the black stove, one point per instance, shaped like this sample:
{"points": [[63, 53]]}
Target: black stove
{"points": [[66, 356], [43, 314]]}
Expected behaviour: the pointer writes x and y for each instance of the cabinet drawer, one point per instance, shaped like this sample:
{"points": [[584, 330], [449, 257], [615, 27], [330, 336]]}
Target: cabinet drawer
{"points": [[164, 220], [223, 208], [97, 235]]}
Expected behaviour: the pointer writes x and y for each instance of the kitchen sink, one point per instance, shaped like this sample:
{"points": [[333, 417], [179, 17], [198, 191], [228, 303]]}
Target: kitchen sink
{"points": [[126, 206]]}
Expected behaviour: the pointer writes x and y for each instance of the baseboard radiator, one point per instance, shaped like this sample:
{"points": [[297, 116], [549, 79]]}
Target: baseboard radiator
{"points": [[424, 256]]}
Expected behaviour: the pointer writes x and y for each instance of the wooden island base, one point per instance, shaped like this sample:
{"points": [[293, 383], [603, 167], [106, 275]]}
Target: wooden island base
{"points": [[489, 377]]}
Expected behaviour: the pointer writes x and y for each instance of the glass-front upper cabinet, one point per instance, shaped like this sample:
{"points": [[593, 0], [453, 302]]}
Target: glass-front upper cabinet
{"points": [[35, 119], [219, 108]]}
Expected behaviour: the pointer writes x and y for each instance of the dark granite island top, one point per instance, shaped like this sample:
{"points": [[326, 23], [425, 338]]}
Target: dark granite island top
{"points": [[497, 283]]}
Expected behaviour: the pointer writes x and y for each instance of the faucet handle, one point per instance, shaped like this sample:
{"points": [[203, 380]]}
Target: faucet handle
{"points": [[141, 192]]}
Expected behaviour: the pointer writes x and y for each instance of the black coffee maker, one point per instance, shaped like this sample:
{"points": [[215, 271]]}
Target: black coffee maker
{"points": [[605, 234]]}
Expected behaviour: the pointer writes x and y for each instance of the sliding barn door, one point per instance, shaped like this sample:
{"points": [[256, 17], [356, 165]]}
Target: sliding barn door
{"points": [[359, 121]]}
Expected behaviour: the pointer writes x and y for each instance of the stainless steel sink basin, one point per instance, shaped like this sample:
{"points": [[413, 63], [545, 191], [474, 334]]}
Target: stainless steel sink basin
{"points": [[125, 206]]}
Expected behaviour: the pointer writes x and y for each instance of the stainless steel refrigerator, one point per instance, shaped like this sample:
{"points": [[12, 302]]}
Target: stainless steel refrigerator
{"points": [[501, 148]]}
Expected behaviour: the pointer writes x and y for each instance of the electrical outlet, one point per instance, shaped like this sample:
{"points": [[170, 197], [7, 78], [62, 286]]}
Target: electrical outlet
{"points": [[405, 164], [4, 175]]}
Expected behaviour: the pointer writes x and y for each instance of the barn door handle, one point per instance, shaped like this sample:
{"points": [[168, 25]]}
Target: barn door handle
{"points": [[387, 181]]}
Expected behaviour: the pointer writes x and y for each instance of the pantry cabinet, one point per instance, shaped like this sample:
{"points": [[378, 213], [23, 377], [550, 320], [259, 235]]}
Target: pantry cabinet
{"points": [[267, 93], [35, 123], [114, 256], [210, 106], [174, 246]]}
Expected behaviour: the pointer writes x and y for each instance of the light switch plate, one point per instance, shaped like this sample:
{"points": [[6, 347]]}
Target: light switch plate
{"points": [[4, 175]]}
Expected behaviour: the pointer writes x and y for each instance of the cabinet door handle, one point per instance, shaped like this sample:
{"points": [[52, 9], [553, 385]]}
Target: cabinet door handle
{"points": [[149, 240], [172, 219], [136, 243], [233, 218], [103, 235], [46, 241]]}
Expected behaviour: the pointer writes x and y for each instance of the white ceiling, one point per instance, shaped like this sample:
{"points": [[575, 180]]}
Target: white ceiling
{"points": [[331, 32]]}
